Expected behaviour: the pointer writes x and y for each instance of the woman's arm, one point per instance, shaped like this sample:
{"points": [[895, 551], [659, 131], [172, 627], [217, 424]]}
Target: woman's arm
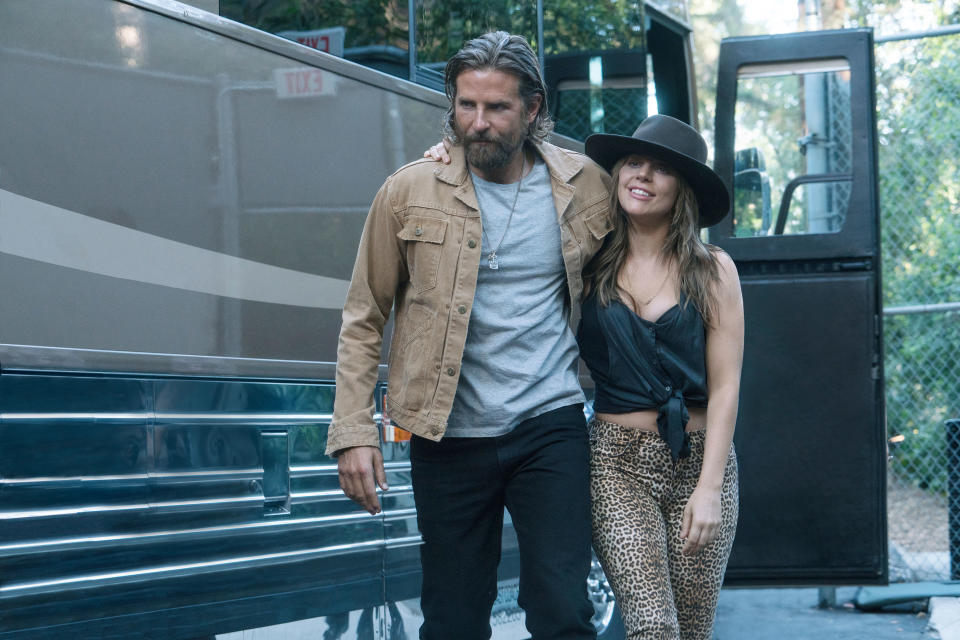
{"points": [[701, 516]]}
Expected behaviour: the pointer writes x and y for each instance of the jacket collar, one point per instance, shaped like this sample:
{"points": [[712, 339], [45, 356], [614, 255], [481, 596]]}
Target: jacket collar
{"points": [[457, 175], [561, 165]]}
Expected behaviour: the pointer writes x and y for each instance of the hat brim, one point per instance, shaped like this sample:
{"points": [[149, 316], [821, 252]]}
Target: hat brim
{"points": [[712, 196]]}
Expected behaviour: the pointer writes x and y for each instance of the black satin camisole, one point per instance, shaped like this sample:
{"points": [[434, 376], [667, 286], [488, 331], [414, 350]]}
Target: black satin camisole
{"points": [[637, 364]]}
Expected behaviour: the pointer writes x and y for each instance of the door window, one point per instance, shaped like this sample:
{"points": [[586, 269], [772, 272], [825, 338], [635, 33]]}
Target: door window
{"points": [[793, 160]]}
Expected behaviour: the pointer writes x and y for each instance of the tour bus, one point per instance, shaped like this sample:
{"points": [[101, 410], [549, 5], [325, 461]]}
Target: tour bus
{"points": [[181, 197]]}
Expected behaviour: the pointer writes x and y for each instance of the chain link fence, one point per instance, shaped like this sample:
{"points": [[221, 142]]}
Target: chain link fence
{"points": [[918, 122]]}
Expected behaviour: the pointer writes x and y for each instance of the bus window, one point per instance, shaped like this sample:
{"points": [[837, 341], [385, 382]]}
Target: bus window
{"points": [[669, 68], [373, 33], [441, 28], [793, 165], [595, 66], [599, 59], [600, 105]]}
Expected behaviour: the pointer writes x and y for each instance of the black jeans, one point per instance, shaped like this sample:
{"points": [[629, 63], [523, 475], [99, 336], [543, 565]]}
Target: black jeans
{"points": [[540, 472]]}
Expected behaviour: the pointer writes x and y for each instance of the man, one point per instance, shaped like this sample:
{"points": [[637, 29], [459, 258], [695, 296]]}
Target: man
{"points": [[481, 262]]}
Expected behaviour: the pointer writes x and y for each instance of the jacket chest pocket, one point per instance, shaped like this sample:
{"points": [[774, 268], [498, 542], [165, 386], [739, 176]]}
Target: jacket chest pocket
{"points": [[598, 223], [423, 239]]}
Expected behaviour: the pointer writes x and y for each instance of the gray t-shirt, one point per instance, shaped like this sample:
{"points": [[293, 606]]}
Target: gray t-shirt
{"points": [[520, 358]]}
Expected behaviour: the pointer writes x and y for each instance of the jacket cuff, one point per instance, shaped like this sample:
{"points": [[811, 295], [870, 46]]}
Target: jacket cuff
{"points": [[357, 430]]}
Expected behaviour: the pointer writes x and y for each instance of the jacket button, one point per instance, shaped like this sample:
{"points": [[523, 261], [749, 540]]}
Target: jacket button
{"points": [[435, 431], [437, 366], [418, 231], [471, 243], [450, 371], [669, 389], [462, 309]]}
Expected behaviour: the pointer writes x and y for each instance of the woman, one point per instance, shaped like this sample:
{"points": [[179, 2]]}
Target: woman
{"points": [[661, 332]]}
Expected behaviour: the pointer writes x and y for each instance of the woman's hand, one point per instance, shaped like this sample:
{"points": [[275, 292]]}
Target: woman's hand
{"points": [[701, 520], [439, 152]]}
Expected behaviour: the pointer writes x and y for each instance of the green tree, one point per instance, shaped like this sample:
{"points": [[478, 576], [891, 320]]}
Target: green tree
{"points": [[573, 25], [712, 21], [366, 22], [918, 122], [444, 25]]}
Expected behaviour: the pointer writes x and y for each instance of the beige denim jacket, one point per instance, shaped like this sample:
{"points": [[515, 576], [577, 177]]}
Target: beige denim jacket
{"points": [[419, 254]]}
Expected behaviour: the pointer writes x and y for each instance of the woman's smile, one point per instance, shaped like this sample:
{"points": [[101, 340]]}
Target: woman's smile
{"points": [[648, 186]]}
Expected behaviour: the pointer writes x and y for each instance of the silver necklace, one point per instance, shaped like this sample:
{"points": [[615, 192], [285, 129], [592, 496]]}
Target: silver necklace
{"points": [[492, 258]]}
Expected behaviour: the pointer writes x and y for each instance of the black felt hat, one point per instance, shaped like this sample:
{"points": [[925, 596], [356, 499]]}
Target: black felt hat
{"points": [[679, 145]]}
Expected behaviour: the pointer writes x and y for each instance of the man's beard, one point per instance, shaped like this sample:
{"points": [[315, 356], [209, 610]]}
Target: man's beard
{"points": [[496, 152]]}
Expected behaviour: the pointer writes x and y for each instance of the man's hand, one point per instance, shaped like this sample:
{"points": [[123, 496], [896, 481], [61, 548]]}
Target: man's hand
{"points": [[361, 472]]}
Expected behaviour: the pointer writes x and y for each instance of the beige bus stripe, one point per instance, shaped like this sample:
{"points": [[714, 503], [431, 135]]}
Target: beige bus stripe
{"points": [[43, 232]]}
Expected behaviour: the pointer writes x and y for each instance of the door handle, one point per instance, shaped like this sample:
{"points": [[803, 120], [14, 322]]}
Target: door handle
{"points": [[275, 455]]}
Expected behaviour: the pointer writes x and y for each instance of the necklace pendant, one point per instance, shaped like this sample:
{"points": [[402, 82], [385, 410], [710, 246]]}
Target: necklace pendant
{"points": [[493, 260]]}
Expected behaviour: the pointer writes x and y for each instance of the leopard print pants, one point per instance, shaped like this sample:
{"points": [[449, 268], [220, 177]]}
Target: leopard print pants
{"points": [[638, 498]]}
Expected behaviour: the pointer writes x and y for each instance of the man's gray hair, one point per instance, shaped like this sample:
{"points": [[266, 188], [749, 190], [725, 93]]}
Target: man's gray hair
{"points": [[499, 51]]}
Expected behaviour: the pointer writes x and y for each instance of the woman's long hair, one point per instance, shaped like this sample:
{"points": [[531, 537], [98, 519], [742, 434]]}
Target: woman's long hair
{"points": [[699, 273]]}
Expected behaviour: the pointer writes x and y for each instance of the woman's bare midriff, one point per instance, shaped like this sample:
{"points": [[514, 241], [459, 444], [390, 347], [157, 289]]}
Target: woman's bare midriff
{"points": [[647, 420]]}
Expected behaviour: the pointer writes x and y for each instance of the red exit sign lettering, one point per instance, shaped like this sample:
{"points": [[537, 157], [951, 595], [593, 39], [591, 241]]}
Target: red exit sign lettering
{"points": [[326, 40], [303, 83], [320, 43]]}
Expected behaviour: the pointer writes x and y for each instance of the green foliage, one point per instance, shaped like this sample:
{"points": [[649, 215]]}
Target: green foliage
{"points": [[569, 25], [444, 25], [366, 21], [574, 25], [921, 393], [712, 21], [918, 121]]}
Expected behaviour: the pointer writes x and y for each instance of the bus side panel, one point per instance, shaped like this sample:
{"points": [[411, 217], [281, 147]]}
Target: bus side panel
{"points": [[122, 492], [179, 216], [194, 195]]}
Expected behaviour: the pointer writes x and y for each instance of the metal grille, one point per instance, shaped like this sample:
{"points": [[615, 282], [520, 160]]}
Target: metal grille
{"points": [[840, 152], [581, 112], [918, 121]]}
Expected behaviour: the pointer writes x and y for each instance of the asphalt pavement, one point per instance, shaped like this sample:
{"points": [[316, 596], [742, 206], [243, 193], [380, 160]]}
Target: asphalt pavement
{"points": [[743, 614], [794, 614]]}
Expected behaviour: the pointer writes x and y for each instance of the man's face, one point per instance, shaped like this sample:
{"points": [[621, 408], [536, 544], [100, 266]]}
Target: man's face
{"points": [[491, 119]]}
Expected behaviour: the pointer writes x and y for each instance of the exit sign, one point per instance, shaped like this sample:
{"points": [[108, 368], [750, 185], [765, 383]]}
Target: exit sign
{"points": [[326, 40]]}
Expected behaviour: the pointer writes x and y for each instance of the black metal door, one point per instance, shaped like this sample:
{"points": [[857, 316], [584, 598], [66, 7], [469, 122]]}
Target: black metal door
{"points": [[796, 141]]}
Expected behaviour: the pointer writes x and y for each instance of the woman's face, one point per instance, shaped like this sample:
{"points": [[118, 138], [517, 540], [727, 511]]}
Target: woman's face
{"points": [[647, 188]]}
